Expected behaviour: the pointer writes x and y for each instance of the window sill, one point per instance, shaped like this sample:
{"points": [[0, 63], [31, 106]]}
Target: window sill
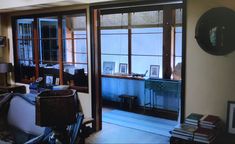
{"points": [[122, 77]]}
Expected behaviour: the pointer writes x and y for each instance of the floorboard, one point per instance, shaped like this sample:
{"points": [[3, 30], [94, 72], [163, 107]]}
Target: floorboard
{"points": [[116, 134]]}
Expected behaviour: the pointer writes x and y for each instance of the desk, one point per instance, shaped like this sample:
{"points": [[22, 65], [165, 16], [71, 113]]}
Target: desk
{"points": [[161, 87]]}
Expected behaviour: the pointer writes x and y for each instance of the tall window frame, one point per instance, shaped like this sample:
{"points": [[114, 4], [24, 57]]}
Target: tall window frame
{"points": [[170, 30]]}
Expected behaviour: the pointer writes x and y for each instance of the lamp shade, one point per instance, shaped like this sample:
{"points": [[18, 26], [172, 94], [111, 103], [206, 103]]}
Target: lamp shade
{"points": [[5, 67], [56, 108]]}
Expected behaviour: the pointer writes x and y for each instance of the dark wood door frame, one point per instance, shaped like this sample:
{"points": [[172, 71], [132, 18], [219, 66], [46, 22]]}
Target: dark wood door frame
{"points": [[96, 59]]}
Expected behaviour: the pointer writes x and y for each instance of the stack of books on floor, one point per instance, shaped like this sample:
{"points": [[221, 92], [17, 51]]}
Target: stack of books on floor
{"points": [[204, 135], [199, 128], [184, 131], [193, 119], [211, 122]]}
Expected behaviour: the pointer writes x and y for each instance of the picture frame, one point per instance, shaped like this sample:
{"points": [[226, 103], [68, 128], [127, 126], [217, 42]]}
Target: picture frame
{"points": [[2, 41], [48, 80], [57, 81], [154, 71], [108, 67], [123, 68], [231, 117]]}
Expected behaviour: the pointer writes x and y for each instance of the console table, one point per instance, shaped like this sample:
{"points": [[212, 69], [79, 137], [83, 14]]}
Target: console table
{"points": [[161, 87]]}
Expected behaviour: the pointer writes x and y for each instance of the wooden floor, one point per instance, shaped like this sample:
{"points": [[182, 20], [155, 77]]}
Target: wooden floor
{"points": [[115, 134]]}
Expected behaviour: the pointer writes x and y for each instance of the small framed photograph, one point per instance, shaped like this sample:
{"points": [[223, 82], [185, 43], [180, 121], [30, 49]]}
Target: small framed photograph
{"points": [[49, 79], [57, 81], [123, 68], [231, 117], [2, 41], [108, 67], [154, 71]]}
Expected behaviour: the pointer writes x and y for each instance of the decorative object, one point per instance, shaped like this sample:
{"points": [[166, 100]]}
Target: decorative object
{"points": [[154, 71], [57, 81], [48, 80], [2, 41], [231, 117], [4, 69], [108, 67], [57, 109], [177, 72], [123, 68], [214, 35]]}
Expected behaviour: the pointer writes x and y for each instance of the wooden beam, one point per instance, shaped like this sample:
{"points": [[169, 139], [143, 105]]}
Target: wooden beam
{"points": [[167, 23], [60, 58], [36, 46], [96, 70]]}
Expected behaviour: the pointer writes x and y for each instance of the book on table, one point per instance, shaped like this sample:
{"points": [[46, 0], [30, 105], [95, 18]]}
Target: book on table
{"points": [[186, 128], [204, 132], [208, 141], [210, 119], [194, 117]]}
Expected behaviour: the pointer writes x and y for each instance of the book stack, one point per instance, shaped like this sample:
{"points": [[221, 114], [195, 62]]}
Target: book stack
{"points": [[184, 131], [211, 122], [204, 135], [193, 119]]}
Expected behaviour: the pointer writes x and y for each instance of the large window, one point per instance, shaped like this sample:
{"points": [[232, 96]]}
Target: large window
{"points": [[54, 46], [137, 40], [25, 49]]}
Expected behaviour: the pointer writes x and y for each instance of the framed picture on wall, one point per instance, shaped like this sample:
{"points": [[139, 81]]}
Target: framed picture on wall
{"points": [[231, 117], [108, 67], [123, 68], [48, 80], [2, 41], [154, 71], [57, 81]]}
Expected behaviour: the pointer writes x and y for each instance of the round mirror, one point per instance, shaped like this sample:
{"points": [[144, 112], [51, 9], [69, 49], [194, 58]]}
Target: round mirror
{"points": [[215, 31]]}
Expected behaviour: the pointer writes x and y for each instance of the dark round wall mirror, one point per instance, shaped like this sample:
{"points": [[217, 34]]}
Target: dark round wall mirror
{"points": [[215, 31]]}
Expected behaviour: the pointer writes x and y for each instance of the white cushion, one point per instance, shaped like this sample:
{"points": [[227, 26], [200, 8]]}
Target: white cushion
{"points": [[21, 114]]}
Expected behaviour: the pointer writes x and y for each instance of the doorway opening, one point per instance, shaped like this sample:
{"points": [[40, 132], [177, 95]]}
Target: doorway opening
{"points": [[139, 53]]}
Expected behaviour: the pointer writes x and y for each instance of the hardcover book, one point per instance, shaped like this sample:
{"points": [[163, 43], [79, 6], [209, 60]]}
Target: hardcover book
{"points": [[210, 119], [194, 117], [186, 128]]}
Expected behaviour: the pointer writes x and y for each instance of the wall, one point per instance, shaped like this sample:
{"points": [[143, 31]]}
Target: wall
{"points": [[210, 80]]}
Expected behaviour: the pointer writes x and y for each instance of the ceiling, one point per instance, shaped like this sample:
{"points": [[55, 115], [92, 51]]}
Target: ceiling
{"points": [[19, 5]]}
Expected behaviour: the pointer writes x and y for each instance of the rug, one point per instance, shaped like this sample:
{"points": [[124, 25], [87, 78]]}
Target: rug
{"points": [[141, 122]]}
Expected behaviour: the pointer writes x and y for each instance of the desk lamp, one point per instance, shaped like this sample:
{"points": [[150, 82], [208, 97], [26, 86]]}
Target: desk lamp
{"points": [[57, 109], [4, 69]]}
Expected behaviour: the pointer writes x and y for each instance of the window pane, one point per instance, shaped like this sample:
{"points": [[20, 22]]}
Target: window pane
{"points": [[147, 18], [48, 27], [49, 50], [142, 63], [80, 34], [178, 16], [178, 41], [25, 49], [26, 65], [112, 20], [75, 50], [114, 41], [80, 58], [147, 41]]}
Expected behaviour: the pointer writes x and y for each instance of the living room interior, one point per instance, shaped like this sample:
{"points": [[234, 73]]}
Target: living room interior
{"points": [[67, 44]]}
